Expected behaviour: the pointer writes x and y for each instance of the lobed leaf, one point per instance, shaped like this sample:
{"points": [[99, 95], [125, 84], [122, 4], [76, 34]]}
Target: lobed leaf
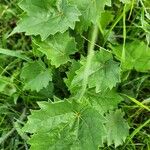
{"points": [[117, 128], [90, 10], [104, 101], [72, 125], [57, 48], [36, 76], [137, 56], [46, 17], [104, 73]]}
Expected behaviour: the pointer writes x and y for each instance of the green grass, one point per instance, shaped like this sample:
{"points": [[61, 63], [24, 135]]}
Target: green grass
{"points": [[15, 103], [10, 109]]}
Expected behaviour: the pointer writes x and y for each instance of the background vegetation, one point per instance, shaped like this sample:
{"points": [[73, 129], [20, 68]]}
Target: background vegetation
{"points": [[15, 102]]}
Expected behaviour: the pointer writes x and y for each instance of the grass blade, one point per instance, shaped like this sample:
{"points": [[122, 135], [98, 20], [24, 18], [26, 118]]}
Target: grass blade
{"points": [[18, 54], [137, 102]]}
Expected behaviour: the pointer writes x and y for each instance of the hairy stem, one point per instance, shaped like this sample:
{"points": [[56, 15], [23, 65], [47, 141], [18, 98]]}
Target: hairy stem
{"points": [[89, 62]]}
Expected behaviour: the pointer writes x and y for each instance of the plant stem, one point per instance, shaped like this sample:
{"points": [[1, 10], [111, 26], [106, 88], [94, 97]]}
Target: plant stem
{"points": [[89, 62], [124, 34]]}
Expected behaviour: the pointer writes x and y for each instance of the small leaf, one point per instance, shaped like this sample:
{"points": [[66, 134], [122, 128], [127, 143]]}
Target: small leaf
{"points": [[103, 21], [36, 76], [90, 10], [7, 86], [57, 48], [104, 73], [137, 56], [71, 74]]}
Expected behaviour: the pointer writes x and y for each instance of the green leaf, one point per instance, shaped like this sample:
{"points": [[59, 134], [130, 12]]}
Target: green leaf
{"points": [[103, 21], [91, 130], [90, 10], [137, 56], [117, 128], [6, 86], [49, 116], [36, 76], [71, 74], [47, 92], [46, 17], [80, 125], [58, 48], [72, 125], [60, 138], [104, 101], [103, 74]]}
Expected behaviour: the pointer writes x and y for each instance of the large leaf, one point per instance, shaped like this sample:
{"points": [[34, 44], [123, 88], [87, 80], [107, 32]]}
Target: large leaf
{"points": [[36, 76], [104, 73], [57, 48], [137, 56], [46, 17], [71, 125], [80, 125]]}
